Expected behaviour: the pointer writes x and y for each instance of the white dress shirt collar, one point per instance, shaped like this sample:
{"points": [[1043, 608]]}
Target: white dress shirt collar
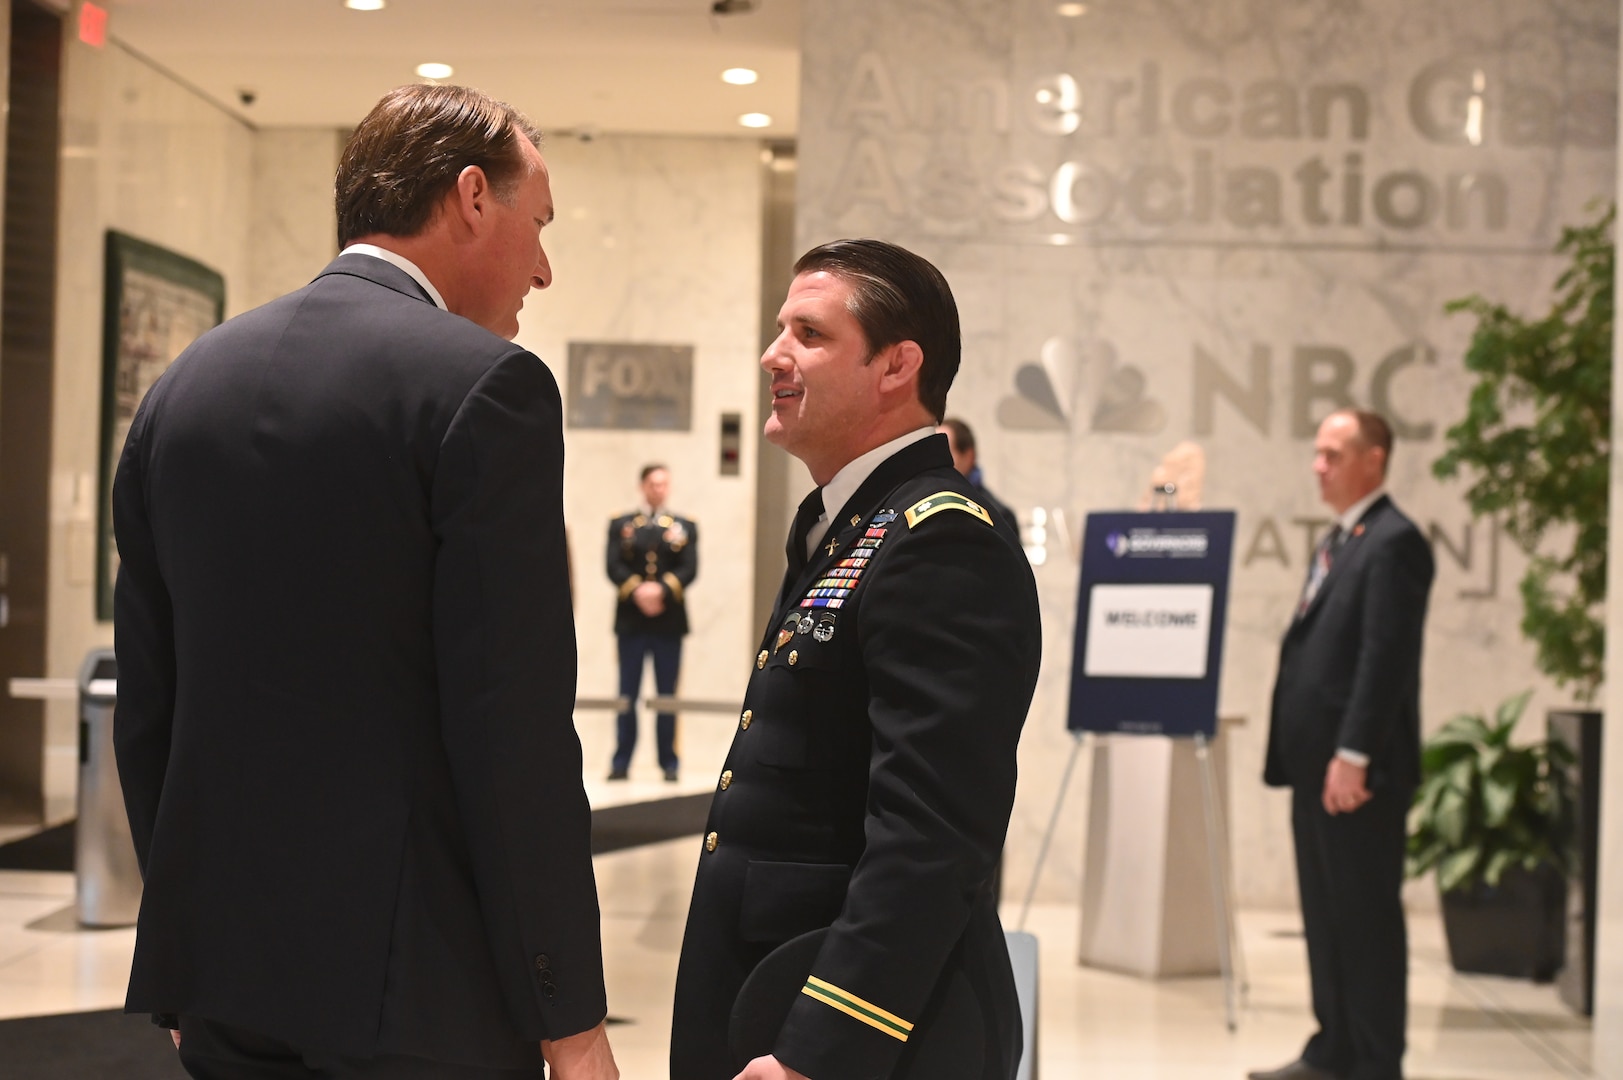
{"points": [[395, 259], [1351, 516], [839, 490]]}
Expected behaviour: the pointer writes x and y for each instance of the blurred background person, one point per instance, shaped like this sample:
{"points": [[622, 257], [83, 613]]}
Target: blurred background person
{"points": [[653, 556], [961, 440]]}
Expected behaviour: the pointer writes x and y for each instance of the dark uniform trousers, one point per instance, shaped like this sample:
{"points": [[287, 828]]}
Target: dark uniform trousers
{"points": [[663, 549], [868, 791]]}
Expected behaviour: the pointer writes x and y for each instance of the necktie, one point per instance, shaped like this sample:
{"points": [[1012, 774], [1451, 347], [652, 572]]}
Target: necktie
{"points": [[1323, 555], [811, 509]]}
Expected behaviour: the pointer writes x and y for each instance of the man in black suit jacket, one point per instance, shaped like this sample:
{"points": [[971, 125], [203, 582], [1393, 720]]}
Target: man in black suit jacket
{"points": [[652, 558], [346, 653], [1344, 736], [867, 792]]}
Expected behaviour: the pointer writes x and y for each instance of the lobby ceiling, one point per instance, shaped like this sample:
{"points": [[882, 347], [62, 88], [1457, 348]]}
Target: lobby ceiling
{"points": [[625, 66]]}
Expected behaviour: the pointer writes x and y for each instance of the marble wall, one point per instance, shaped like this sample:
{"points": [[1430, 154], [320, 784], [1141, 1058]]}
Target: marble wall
{"points": [[658, 241], [1608, 1049], [1218, 221]]}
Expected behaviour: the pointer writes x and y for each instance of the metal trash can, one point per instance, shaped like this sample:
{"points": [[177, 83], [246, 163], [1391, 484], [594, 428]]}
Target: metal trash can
{"points": [[108, 890]]}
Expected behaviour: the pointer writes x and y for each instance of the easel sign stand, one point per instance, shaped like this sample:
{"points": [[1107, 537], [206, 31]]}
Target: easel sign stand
{"points": [[1149, 636]]}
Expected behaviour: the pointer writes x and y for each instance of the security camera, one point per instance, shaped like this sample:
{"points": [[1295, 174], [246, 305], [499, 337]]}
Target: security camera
{"points": [[732, 7], [247, 96], [586, 132]]}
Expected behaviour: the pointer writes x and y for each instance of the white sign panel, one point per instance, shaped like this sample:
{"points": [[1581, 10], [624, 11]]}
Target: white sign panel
{"points": [[1148, 631]]}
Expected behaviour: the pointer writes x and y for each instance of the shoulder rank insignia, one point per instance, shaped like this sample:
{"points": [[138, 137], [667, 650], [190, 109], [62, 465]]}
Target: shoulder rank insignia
{"points": [[944, 500]]}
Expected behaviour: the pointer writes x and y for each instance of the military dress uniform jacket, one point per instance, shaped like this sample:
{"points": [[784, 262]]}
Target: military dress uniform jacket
{"points": [[664, 548], [868, 790]]}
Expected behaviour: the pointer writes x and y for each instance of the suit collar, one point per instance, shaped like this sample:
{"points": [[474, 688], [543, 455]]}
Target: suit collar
{"points": [[378, 272], [1349, 546]]}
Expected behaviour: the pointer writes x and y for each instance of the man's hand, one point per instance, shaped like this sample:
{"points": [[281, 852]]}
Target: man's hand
{"points": [[769, 1068], [586, 1056], [174, 1033], [649, 598], [1344, 789]]}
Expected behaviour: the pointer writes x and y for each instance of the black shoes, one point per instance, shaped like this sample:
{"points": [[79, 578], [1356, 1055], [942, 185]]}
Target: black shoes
{"points": [[617, 774], [670, 776], [1296, 1070]]}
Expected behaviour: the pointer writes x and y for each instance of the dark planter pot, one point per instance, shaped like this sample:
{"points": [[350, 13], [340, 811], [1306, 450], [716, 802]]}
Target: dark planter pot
{"points": [[1517, 929], [1581, 732]]}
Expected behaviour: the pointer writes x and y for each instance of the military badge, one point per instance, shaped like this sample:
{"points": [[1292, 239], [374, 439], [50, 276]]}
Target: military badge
{"points": [[824, 631]]}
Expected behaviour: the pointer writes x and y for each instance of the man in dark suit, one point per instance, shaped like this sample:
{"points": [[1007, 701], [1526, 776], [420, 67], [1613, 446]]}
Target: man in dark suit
{"points": [[1344, 736], [346, 654], [961, 441], [866, 795], [653, 556]]}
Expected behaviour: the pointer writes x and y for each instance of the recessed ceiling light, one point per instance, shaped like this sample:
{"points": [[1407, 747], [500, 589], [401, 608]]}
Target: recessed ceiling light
{"points": [[755, 120], [365, 5], [739, 76], [435, 71], [1071, 11]]}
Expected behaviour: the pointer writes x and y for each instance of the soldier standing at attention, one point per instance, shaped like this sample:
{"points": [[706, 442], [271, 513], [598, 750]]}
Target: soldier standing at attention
{"points": [[843, 923], [653, 557]]}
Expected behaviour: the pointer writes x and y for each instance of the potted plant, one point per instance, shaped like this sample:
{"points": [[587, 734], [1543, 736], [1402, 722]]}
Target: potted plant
{"points": [[1536, 442], [1495, 821]]}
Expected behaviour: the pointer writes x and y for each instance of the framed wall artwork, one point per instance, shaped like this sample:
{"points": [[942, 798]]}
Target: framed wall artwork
{"points": [[157, 303]]}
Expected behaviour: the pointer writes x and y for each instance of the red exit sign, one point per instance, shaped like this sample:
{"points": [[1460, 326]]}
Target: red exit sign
{"points": [[93, 24]]}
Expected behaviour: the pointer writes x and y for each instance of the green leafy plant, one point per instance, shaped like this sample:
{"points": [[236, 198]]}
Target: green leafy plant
{"points": [[1484, 806], [1537, 441]]}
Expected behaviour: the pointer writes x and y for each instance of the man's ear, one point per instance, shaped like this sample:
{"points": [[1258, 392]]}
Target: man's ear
{"points": [[900, 365], [470, 199]]}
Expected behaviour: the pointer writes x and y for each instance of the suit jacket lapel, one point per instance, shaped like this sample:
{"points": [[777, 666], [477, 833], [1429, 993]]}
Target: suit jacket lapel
{"points": [[1348, 548]]}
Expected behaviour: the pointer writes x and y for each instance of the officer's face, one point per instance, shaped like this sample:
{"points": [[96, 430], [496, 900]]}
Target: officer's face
{"points": [[825, 390], [656, 487]]}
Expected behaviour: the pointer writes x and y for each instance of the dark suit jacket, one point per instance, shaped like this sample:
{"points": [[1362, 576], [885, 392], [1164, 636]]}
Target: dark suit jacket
{"points": [[1349, 667], [868, 789], [346, 680], [663, 549]]}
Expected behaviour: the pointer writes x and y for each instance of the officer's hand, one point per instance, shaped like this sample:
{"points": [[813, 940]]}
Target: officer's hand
{"points": [[769, 1068], [649, 598], [586, 1056], [174, 1033], [1344, 789]]}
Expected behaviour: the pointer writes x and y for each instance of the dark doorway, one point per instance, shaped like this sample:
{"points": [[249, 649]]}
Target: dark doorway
{"points": [[27, 357]]}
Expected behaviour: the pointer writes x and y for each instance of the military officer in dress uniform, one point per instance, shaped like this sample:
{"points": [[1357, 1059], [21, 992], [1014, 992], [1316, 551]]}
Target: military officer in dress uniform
{"points": [[843, 925], [653, 556]]}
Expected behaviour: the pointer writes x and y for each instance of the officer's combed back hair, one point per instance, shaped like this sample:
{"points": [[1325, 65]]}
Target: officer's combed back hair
{"points": [[897, 296], [410, 149]]}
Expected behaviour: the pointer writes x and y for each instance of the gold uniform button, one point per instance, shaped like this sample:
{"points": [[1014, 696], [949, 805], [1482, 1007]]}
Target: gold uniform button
{"points": [[726, 779], [794, 658], [760, 661], [710, 842], [744, 721]]}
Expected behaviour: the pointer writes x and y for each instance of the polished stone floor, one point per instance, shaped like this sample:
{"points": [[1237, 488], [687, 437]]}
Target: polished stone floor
{"points": [[1093, 1024]]}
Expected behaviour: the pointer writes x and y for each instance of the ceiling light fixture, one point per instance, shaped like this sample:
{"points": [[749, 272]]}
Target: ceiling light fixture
{"points": [[366, 5], [739, 76], [755, 120], [1071, 11], [435, 71]]}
